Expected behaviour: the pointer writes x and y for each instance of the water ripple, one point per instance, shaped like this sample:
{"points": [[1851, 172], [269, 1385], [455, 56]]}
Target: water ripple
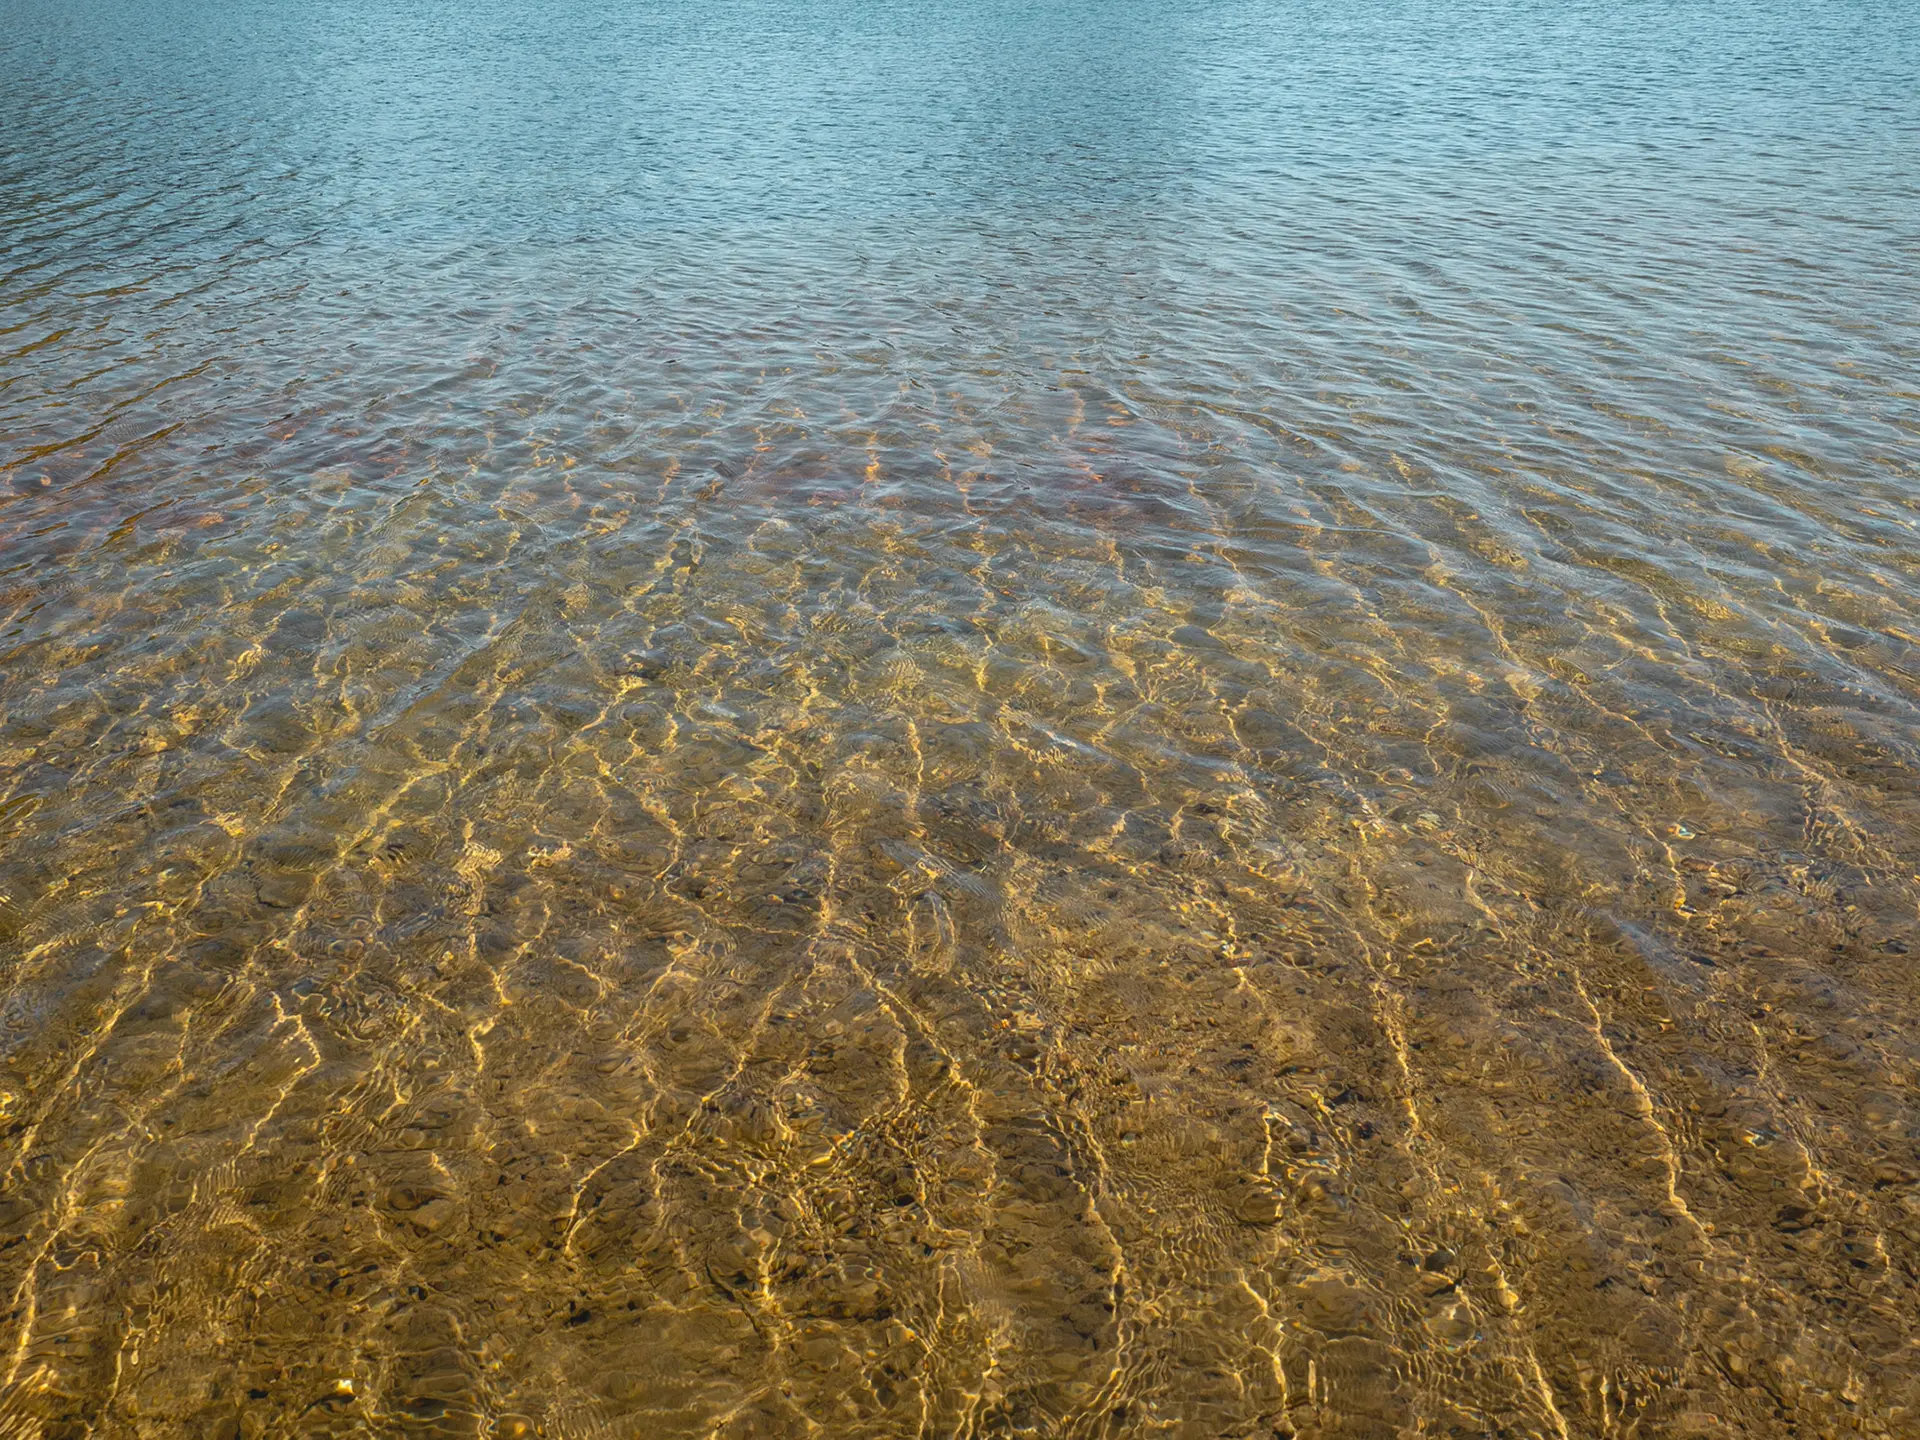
{"points": [[881, 719]]}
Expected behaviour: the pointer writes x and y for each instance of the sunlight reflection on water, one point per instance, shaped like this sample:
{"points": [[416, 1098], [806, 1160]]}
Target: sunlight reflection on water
{"points": [[884, 719]]}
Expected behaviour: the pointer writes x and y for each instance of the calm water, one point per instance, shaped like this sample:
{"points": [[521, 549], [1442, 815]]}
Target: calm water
{"points": [[783, 718]]}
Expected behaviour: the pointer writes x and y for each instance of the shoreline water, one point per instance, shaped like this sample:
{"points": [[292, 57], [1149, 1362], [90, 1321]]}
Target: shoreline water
{"points": [[889, 721]]}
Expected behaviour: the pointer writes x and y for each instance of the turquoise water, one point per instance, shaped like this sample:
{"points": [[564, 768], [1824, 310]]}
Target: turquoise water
{"points": [[874, 720]]}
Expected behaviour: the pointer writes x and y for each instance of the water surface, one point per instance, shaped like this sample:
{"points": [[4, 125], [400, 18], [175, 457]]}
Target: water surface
{"points": [[783, 718]]}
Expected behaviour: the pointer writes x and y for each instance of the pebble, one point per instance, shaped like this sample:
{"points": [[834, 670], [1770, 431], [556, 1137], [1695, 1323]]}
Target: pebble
{"points": [[1257, 1202]]}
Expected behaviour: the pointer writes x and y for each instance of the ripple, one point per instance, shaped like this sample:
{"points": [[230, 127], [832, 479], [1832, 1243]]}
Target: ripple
{"points": [[895, 720]]}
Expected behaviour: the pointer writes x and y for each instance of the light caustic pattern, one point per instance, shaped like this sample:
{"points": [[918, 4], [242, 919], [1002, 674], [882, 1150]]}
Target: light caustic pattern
{"points": [[1106, 807]]}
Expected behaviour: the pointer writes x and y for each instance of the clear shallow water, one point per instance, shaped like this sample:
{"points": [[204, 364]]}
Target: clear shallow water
{"points": [[971, 720]]}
